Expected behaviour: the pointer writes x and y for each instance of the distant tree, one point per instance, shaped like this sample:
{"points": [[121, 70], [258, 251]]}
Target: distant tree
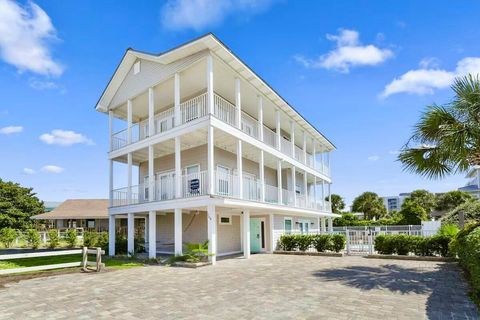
{"points": [[370, 204], [338, 204], [17, 205], [347, 219], [452, 199], [470, 209], [412, 212], [424, 198]]}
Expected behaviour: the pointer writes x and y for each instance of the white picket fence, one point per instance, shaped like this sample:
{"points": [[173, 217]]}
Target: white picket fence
{"points": [[84, 263]]}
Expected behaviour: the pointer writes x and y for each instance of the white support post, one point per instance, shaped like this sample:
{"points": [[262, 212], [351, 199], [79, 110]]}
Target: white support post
{"points": [[151, 174], [152, 234], [318, 225], [111, 235], [305, 187], [330, 225], [178, 167], [279, 181], [130, 234], [129, 178], [110, 130], [321, 162], [176, 94], [314, 154], [210, 84], [212, 233], [240, 168], [260, 117], [324, 227], [210, 160], [261, 170], [129, 121], [328, 165], [238, 104], [110, 182], [272, 240], [292, 137], [304, 149], [278, 129], [294, 185], [246, 234], [315, 192], [145, 231], [324, 205], [151, 112], [178, 232]]}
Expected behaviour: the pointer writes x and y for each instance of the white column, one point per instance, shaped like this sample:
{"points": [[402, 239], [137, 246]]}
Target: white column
{"points": [[130, 234], [272, 240], [278, 129], [294, 185], [212, 233], [152, 234], [330, 195], [129, 178], [314, 154], [176, 93], [261, 170], [129, 121], [330, 225], [151, 111], [210, 160], [318, 225], [110, 129], [328, 164], [324, 228], [240, 168], [210, 84], [323, 194], [238, 104], [178, 167], [292, 137], [315, 192], [178, 232], [304, 147], [151, 174], [246, 234], [321, 161], [305, 187], [279, 180], [260, 117], [110, 182], [111, 235], [145, 231]]}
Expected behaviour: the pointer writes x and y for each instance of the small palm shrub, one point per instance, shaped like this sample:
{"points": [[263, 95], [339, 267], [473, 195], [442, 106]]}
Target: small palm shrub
{"points": [[8, 236], [90, 239], [304, 241], [338, 242], [449, 230], [33, 238], [321, 242], [71, 237], [288, 242], [53, 239]]}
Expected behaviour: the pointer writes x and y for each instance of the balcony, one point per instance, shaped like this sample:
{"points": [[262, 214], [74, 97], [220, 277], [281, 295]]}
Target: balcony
{"points": [[225, 111], [226, 185]]}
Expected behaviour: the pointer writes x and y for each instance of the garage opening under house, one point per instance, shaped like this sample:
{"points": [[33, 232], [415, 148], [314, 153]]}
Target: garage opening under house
{"points": [[217, 154]]}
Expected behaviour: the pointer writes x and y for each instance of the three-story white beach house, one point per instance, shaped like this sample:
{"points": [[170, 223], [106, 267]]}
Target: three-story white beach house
{"points": [[212, 152]]}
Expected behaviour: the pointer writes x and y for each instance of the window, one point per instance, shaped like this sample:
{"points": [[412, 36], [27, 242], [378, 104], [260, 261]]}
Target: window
{"points": [[304, 227], [90, 224], [287, 225], [224, 219]]}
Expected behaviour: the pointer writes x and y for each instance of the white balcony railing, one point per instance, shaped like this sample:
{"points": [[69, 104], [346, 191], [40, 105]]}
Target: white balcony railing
{"points": [[194, 108], [271, 194], [195, 184], [269, 137], [224, 110], [286, 146]]}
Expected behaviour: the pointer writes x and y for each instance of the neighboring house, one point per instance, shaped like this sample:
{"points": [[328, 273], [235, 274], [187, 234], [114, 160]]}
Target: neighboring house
{"points": [[394, 203], [220, 155], [89, 214], [473, 184]]}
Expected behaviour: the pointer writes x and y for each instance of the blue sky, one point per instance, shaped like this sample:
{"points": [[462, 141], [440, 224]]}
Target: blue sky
{"points": [[361, 71]]}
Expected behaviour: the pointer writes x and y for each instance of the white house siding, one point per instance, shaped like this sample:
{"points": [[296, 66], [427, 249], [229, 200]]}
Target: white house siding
{"points": [[278, 225], [228, 236], [151, 73]]}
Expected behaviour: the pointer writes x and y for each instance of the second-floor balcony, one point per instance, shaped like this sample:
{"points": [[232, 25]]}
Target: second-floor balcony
{"points": [[226, 185], [196, 108]]}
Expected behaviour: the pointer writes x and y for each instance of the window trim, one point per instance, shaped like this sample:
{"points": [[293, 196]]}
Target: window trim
{"points": [[291, 225], [229, 216]]}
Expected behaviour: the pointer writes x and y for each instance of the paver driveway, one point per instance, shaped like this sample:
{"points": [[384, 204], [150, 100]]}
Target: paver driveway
{"points": [[264, 287]]}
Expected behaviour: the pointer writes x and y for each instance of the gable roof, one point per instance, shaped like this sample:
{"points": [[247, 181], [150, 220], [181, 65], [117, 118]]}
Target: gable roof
{"points": [[77, 209], [211, 42]]}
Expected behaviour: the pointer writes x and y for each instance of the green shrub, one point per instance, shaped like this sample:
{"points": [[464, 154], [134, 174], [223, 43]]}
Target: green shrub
{"points": [[439, 244], [288, 242], [90, 239], [383, 244], [8, 236], [321, 242], [71, 237], [304, 241], [33, 238], [471, 261], [421, 246], [102, 241], [53, 239], [338, 242], [402, 244], [448, 229], [121, 244]]}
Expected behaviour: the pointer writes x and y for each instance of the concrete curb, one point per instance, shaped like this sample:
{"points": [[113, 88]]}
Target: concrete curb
{"points": [[192, 265], [413, 258], [302, 253]]}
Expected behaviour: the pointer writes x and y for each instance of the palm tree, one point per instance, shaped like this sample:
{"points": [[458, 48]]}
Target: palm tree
{"points": [[446, 140]]}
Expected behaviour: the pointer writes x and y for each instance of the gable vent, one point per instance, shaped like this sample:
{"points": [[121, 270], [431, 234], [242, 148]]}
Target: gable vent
{"points": [[136, 67]]}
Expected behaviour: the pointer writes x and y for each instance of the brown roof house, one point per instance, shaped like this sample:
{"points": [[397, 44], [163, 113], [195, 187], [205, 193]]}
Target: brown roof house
{"points": [[89, 214]]}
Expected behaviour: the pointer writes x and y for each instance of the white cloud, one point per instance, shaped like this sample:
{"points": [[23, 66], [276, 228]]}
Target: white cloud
{"points": [[11, 129], [429, 77], [42, 85], [28, 171], [373, 158], [199, 14], [25, 33], [394, 152], [52, 169], [349, 53], [65, 138]]}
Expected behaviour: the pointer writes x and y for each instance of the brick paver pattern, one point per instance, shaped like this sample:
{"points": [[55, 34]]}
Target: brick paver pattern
{"points": [[263, 287]]}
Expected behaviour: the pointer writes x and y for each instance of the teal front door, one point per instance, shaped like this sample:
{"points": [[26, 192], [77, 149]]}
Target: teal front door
{"points": [[255, 235]]}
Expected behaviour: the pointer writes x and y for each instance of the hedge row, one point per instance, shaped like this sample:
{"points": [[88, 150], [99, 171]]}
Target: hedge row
{"points": [[321, 242], [403, 244]]}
